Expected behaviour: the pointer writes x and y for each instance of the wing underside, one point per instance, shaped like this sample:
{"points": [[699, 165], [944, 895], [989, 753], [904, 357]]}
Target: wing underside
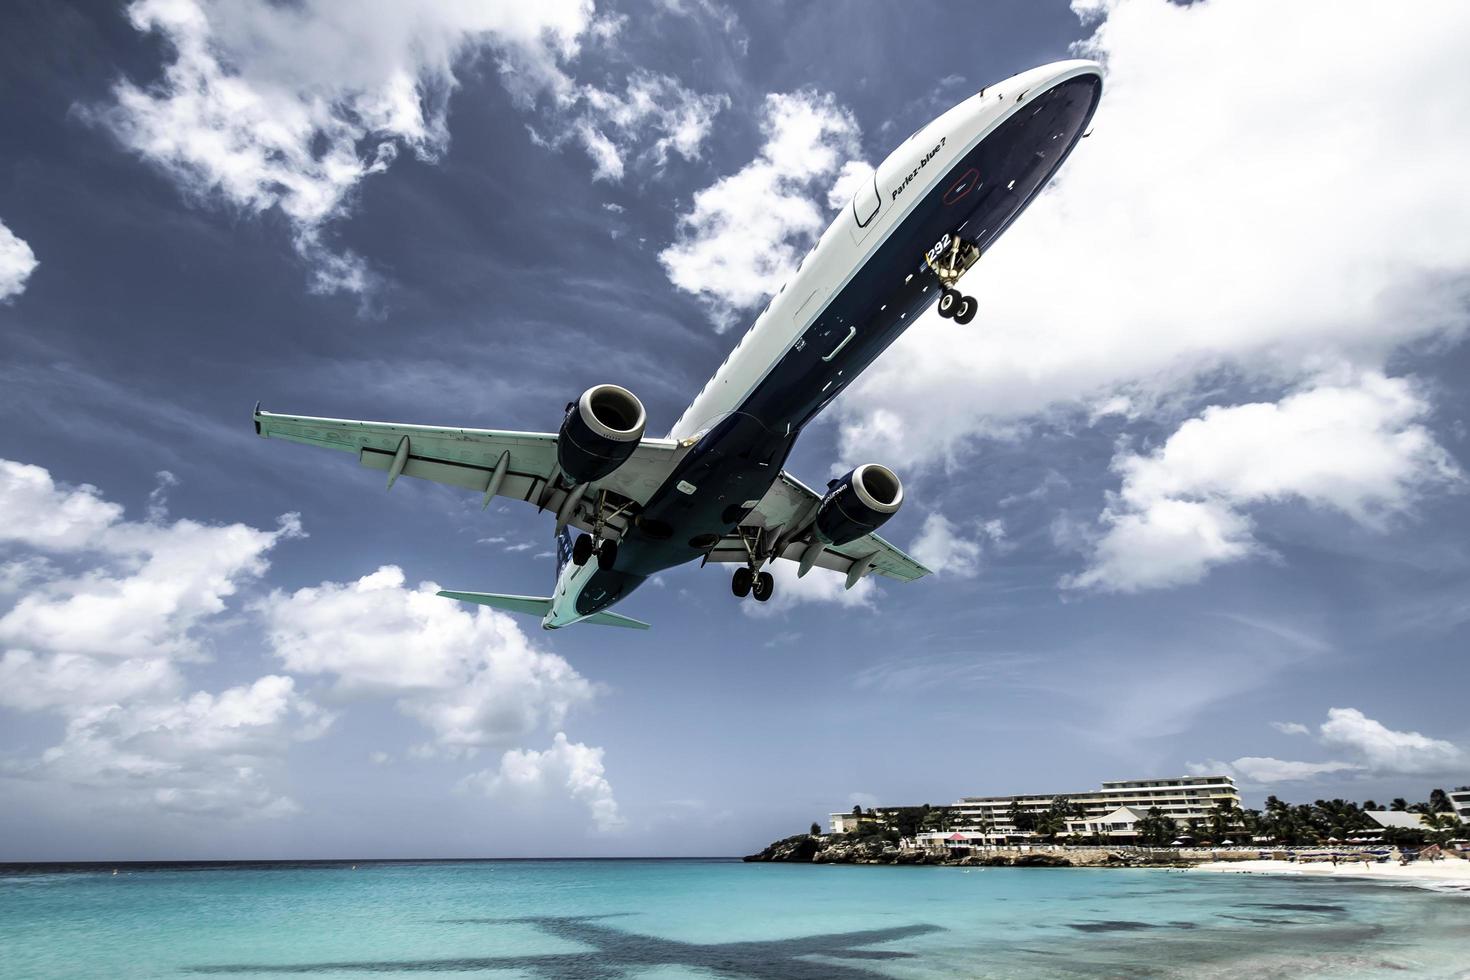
{"points": [[494, 463], [523, 466]]}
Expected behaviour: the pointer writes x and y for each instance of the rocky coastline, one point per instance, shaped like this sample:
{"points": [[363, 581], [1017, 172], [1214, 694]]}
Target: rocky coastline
{"points": [[839, 849]]}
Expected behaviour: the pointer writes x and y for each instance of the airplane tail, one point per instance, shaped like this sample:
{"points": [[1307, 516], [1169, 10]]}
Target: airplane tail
{"points": [[534, 605]]}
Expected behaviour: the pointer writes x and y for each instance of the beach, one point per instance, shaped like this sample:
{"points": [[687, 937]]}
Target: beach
{"points": [[1449, 874]]}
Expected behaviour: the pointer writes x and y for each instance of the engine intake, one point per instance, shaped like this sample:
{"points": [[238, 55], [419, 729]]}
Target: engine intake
{"points": [[858, 504], [600, 431]]}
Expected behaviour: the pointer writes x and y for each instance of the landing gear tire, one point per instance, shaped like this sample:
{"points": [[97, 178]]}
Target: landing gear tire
{"points": [[949, 302], [763, 586], [741, 582], [607, 554], [966, 310], [582, 550]]}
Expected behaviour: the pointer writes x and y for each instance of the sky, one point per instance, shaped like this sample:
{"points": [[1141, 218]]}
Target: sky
{"points": [[1192, 483]]}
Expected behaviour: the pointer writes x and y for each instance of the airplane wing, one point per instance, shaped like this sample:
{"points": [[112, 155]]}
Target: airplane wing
{"points": [[515, 465], [786, 513]]}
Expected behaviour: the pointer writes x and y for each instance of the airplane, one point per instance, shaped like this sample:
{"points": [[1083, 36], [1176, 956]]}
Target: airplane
{"points": [[714, 489]]}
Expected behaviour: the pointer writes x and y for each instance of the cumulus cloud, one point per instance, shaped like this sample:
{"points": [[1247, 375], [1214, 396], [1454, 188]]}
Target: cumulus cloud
{"points": [[468, 674], [1371, 748], [653, 117], [17, 262], [946, 549], [1242, 203], [1264, 769], [744, 234], [134, 605], [1384, 750], [819, 585], [570, 767], [1358, 447], [108, 610], [290, 107], [207, 754]]}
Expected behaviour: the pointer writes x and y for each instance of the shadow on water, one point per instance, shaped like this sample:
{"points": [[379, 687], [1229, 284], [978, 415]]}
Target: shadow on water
{"points": [[618, 951], [1125, 925]]}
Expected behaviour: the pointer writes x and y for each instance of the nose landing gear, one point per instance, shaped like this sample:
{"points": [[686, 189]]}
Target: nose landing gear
{"points": [[950, 263]]}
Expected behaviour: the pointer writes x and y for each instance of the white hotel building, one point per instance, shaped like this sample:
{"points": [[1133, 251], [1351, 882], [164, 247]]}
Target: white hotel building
{"points": [[987, 819]]}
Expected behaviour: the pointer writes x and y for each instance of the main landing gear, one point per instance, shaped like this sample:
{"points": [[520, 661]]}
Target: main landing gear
{"points": [[586, 545], [749, 580], [583, 549], [951, 260]]}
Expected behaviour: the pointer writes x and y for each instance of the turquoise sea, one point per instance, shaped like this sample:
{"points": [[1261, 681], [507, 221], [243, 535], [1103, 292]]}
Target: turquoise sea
{"points": [[714, 918]]}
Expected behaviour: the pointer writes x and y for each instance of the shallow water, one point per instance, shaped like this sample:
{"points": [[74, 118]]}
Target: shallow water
{"points": [[717, 918]]}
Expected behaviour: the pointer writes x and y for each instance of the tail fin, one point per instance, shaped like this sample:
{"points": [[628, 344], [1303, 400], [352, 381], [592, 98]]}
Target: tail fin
{"points": [[535, 605], [614, 619]]}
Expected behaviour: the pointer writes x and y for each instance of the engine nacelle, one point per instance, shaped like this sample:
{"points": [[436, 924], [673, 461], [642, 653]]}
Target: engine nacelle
{"points": [[600, 431], [858, 504]]}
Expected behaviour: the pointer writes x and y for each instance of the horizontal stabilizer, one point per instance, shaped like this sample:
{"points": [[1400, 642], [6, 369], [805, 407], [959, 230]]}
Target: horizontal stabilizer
{"points": [[535, 605], [613, 619]]}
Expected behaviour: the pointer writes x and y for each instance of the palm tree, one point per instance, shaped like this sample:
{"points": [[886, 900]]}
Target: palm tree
{"points": [[1399, 804]]}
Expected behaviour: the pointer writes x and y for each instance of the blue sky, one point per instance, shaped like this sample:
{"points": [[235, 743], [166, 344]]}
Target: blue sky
{"points": [[1192, 481]]}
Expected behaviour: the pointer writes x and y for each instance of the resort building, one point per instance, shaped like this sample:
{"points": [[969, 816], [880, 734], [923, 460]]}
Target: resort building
{"points": [[1184, 798], [1460, 801], [1111, 810]]}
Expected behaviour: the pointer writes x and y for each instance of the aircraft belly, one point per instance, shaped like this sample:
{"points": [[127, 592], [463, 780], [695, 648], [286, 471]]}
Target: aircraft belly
{"points": [[740, 457]]}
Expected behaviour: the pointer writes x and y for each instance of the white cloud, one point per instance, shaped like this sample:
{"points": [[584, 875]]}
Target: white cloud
{"points": [[17, 262], [207, 754], [1264, 769], [819, 585], [290, 106], [467, 673], [654, 110], [745, 233], [1372, 748], [1357, 446], [572, 767], [134, 594], [103, 621], [946, 550], [1384, 750], [1241, 203]]}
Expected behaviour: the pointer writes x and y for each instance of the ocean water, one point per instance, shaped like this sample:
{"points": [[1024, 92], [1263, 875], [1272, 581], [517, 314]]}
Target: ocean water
{"points": [[579, 920]]}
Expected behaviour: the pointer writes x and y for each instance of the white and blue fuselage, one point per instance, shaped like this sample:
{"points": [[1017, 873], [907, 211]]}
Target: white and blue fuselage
{"points": [[968, 173]]}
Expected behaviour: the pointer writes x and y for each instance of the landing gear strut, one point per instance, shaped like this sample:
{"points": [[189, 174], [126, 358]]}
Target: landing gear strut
{"points": [[749, 580], [586, 545], [952, 262]]}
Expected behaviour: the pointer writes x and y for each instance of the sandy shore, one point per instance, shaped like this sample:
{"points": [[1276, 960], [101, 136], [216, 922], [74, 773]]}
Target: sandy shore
{"points": [[1449, 874]]}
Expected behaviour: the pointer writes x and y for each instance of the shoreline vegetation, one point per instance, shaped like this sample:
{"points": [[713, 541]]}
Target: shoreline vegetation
{"points": [[1418, 843], [1429, 868]]}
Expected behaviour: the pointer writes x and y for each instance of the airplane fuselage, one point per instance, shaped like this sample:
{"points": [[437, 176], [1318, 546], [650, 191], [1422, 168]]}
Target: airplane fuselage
{"points": [[970, 172]]}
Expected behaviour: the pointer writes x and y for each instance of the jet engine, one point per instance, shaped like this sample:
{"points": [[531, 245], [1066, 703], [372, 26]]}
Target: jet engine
{"points": [[600, 431], [857, 504]]}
